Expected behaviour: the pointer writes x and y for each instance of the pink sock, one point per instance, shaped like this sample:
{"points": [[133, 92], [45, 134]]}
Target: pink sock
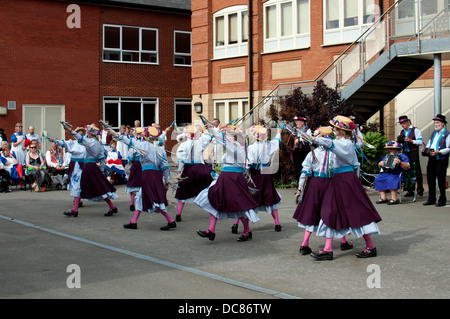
{"points": [[236, 221], [275, 217], [369, 243], [343, 240], [76, 203], [137, 213], [110, 204], [212, 223], [306, 238], [132, 196], [328, 244], [180, 207], [166, 215], [246, 224]]}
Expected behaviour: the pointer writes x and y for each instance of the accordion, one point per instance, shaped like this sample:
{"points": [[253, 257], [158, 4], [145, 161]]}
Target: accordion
{"points": [[389, 164]]}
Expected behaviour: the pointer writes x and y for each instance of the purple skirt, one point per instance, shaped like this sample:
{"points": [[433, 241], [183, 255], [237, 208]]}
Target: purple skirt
{"points": [[346, 203], [93, 183], [135, 177], [198, 178], [153, 190], [308, 211], [230, 194], [267, 194]]}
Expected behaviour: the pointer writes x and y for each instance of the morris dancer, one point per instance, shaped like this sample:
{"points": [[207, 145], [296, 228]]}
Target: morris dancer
{"points": [[134, 181], [194, 174], [229, 196], [94, 185], [259, 156], [77, 154], [151, 197], [316, 173], [346, 207]]}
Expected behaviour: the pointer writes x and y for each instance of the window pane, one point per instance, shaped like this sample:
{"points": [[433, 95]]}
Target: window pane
{"points": [[130, 112], [369, 11], [220, 112], [149, 40], [244, 16], [271, 26], [183, 114], [111, 55], [286, 18], [111, 114], [429, 7], [149, 58], [332, 14], [112, 37], [234, 110], [149, 114], [182, 59], [220, 32], [232, 28], [130, 56], [182, 42], [130, 39], [350, 12], [302, 16]]}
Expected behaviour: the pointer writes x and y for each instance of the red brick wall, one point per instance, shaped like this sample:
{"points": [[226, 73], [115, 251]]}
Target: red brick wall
{"points": [[42, 61]]}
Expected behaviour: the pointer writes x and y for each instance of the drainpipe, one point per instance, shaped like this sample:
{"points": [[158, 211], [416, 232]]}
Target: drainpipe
{"points": [[437, 84], [250, 54]]}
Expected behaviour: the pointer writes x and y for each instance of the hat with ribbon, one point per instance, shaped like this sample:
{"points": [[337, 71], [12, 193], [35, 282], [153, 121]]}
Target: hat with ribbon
{"points": [[258, 132], [343, 123], [441, 118], [93, 129], [403, 118], [393, 144]]}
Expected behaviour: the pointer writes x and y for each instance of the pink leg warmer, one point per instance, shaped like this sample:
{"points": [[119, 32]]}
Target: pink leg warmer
{"points": [[246, 224], [110, 204], [137, 213], [212, 223], [275, 217], [180, 207], [76, 203], [328, 244], [132, 196], [369, 243], [306, 238], [167, 216]]}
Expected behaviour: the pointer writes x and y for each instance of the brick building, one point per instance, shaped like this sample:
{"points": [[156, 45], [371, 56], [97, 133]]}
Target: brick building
{"points": [[81, 61], [242, 50]]}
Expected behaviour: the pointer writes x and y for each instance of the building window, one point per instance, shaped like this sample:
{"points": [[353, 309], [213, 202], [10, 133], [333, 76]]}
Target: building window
{"points": [[346, 20], [228, 110], [130, 44], [231, 32], [182, 48], [119, 111], [286, 25], [183, 112]]}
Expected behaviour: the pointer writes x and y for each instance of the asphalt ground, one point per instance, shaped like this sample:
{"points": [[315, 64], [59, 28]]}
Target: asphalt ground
{"points": [[46, 255]]}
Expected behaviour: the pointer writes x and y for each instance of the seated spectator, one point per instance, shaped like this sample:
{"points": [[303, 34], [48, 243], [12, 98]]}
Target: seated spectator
{"points": [[35, 168], [5, 179], [114, 164], [58, 164], [13, 167], [388, 179]]}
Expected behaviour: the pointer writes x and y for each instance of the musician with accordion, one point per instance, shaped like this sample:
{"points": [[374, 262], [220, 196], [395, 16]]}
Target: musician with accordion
{"points": [[392, 165]]}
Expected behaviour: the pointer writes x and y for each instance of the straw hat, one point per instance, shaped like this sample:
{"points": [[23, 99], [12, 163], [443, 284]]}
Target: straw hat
{"points": [[343, 123], [82, 129], [393, 144], [231, 129], [151, 133], [258, 132], [192, 132], [93, 129], [325, 131]]}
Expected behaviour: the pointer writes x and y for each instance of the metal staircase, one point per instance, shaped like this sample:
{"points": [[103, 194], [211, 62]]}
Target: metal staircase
{"points": [[392, 53]]}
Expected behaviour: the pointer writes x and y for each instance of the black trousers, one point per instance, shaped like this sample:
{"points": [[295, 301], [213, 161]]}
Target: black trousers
{"points": [[436, 169], [414, 157]]}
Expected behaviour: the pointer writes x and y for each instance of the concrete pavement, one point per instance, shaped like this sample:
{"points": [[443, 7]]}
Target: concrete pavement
{"points": [[38, 244]]}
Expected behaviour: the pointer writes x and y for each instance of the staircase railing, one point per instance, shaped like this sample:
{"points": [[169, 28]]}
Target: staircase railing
{"points": [[402, 20]]}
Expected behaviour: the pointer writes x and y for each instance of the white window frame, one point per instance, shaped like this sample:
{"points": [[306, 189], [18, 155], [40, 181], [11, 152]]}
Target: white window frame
{"points": [[241, 108], [142, 100], [121, 50], [345, 34], [227, 50], [175, 53], [294, 40]]}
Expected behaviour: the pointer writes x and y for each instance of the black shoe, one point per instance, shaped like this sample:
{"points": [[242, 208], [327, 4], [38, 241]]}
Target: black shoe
{"points": [[208, 234], [322, 255], [130, 226], [278, 227], [132, 208], [169, 226], [429, 202], [305, 250], [178, 218], [367, 253], [440, 204], [409, 194], [245, 237], [71, 213], [234, 228], [420, 192], [111, 212], [347, 245]]}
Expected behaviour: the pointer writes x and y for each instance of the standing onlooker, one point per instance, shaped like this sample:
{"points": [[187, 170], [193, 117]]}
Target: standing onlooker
{"points": [[18, 144], [411, 138], [439, 149], [33, 136], [301, 147]]}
